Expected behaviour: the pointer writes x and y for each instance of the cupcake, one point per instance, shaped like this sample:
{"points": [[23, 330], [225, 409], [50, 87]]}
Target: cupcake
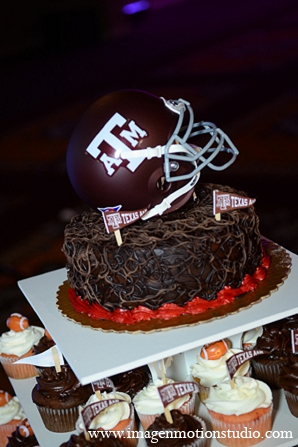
{"points": [[244, 407], [211, 369], [161, 432], [23, 436], [276, 341], [11, 414], [289, 383], [58, 396], [18, 343], [117, 417], [133, 381], [79, 440], [148, 404]]}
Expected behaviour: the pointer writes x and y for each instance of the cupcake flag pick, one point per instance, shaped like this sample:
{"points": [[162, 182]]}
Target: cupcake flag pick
{"points": [[102, 385], [50, 357], [235, 361], [169, 392], [161, 373]]}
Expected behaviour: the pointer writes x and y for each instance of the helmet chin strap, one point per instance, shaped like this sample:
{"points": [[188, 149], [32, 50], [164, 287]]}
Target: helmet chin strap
{"points": [[167, 202], [159, 151]]}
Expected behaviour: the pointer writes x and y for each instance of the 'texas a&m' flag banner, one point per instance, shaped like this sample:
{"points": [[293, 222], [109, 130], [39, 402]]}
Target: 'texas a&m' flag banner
{"points": [[115, 219], [225, 201]]}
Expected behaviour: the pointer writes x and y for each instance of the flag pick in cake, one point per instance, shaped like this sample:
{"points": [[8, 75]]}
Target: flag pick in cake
{"points": [[225, 201]]}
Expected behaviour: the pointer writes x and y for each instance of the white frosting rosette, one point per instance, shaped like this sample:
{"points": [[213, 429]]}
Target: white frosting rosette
{"points": [[11, 415], [16, 345], [111, 416], [11, 410], [244, 396], [213, 372], [19, 343]]}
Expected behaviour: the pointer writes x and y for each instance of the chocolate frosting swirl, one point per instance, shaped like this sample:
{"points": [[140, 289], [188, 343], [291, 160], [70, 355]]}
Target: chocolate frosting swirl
{"points": [[59, 389], [275, 340], [168, 259], [181, 422], [133, 381], [289, 376], [80, 441], [44, 344]]}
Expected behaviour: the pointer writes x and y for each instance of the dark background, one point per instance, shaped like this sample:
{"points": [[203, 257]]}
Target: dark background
{"points": [[234, 61]]}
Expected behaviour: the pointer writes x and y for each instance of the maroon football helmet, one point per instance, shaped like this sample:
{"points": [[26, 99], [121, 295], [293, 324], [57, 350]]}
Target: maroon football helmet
{"points": [[132, 148]]}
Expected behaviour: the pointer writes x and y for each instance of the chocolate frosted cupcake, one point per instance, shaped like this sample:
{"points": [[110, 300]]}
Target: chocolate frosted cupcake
{"points": [[81, 441], [191, 431], [289, 382], [133, 381], [276, 340], [23, 436], [58, 396]]}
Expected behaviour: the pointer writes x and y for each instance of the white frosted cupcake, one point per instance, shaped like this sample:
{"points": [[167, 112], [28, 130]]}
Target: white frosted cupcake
{"points": [[148, 404], [211, 369], [11, 415], [18, 343], [117, 417], [244, 407]]}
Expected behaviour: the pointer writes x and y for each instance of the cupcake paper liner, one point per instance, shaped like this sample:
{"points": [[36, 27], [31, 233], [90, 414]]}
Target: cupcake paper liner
{"points": [[292, 401], [246, 423], [17, 371], [59, 420], [6, 430], [268, 373]]}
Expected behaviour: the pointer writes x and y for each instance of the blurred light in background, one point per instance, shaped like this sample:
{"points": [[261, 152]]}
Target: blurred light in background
{"points": [[135, 7]]}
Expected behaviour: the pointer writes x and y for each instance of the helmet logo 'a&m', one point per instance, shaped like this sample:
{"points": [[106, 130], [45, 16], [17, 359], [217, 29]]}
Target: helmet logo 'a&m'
{"points": [[111, 164]]}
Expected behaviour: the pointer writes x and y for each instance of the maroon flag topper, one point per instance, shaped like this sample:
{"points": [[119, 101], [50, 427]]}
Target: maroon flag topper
{"points": [[102, 385], [172, 391], [294, 340], [225, 201], [91, 411], [115, 219], [235, 361]]}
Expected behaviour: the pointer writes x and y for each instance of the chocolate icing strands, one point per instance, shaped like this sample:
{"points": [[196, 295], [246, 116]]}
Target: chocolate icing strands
{"points": [[225, 201], [235, 361], [294, 341]]}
